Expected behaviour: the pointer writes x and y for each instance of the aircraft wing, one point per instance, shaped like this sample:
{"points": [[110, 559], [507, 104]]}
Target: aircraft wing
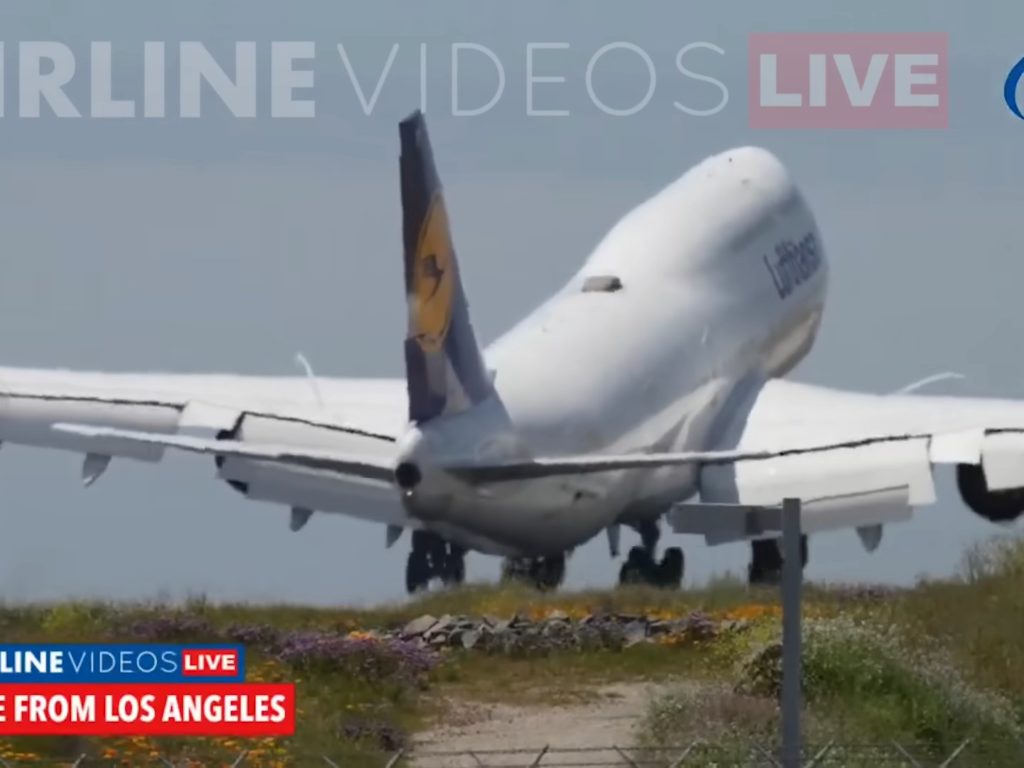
{"points": [[856, 460], [364, 468], [357, 419]]}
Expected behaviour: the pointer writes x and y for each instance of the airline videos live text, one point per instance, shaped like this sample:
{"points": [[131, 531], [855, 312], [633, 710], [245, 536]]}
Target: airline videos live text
{"points": [[138, 690]]}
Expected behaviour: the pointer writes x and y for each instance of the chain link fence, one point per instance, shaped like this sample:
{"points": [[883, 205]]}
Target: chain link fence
{"points": [[831, 755]]}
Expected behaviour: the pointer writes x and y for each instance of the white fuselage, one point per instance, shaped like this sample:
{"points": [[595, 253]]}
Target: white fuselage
{"points": [[723, 277]]}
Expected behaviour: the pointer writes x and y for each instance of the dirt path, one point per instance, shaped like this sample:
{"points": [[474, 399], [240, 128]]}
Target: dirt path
{"points": [[607, 720]]}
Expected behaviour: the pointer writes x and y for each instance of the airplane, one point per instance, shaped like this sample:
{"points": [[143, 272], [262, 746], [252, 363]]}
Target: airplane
{"points": [[649, 387]]}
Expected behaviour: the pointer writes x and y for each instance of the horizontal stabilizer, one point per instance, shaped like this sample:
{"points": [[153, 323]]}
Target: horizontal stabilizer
{"points": [[333, 461]]}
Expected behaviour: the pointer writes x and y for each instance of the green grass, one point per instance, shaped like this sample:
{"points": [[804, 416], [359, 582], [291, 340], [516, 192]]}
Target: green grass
{"points": [[930, 665]]}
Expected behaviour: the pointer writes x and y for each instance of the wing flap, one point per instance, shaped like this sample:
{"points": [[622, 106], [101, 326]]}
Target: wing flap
{"points": [[358, 466], [726, 523], [839, 473], [1002, 460], [957, 447], [204, 415]]}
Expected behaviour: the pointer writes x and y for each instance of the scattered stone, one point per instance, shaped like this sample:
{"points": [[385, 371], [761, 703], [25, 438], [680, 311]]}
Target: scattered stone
{"points": [[558, 631], [635, 632], [419, 626], [445, 623]]}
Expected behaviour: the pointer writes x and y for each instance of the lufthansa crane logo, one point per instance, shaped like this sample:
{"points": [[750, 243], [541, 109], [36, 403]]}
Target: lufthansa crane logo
{"points": [[1010, 88], [433, 281]]}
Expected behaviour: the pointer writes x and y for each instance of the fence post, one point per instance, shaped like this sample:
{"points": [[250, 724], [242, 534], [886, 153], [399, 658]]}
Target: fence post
{"points": [[626, 757], [540, 756], [792, 583], [956, 753]]}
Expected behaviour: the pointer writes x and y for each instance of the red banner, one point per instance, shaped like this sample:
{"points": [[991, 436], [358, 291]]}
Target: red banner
{"points": [[137, 709]]}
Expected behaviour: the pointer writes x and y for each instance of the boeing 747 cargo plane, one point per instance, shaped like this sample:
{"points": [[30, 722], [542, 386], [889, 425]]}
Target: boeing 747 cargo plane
{"points": [[648, 386]]}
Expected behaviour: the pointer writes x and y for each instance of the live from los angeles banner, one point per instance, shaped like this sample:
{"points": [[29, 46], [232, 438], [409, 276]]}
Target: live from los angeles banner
{"points": [[138, 690]]}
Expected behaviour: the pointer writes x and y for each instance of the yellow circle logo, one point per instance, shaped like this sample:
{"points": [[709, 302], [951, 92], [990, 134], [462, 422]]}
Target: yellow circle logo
{"points": [[432, 280]]}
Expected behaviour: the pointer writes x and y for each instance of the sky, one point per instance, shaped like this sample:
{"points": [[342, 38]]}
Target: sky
{"points": [[229, 244]]}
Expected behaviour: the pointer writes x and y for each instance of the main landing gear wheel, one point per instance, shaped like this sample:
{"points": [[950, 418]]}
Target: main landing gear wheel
{"points": [[544, 573], [766, 561], [640, 568], [431, 558]]}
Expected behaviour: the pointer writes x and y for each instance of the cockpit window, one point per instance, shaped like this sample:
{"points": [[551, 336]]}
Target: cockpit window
{"points": [[602, 284]]}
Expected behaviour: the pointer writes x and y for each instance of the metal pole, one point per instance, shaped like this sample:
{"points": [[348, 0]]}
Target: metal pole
{"points": [[792, 583]]}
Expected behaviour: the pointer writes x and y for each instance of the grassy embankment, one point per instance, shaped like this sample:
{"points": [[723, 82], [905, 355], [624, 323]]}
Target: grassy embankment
{"points": [[930, 665]]}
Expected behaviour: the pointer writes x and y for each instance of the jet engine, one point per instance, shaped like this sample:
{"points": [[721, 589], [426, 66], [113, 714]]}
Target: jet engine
{"points": [[995, 506]]}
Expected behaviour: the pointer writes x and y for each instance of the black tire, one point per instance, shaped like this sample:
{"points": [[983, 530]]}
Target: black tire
{"points": [[517, 570], [550, 572], [765, 563], [436, 551], [454, 567], [640, 558], [630, 574], [417, 571], [638, 568], [671, 568]]}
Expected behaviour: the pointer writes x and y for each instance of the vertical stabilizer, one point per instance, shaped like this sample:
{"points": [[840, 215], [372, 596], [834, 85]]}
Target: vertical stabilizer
{"points": [[444, 367]]}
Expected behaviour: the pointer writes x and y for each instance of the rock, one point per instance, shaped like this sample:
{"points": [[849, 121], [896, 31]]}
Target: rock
{"points": [[735, 625], [445, 623], [634, 632], [419, 626], [522, 635]]}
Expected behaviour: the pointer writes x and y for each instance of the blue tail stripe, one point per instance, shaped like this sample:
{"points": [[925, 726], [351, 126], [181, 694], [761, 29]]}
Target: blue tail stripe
{"points": [[444, 367]]}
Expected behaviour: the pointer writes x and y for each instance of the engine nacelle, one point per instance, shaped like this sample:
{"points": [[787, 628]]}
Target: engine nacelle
{"points": [[995, 506]]}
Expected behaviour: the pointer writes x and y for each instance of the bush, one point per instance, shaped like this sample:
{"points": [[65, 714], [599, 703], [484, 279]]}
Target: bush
{"points": [[870, 677]]}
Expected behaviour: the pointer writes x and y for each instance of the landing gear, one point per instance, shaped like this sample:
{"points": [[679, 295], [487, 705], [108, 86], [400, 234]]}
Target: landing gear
{"points": [[641, 567], [766, 561], [433, 558], [544, 573]]}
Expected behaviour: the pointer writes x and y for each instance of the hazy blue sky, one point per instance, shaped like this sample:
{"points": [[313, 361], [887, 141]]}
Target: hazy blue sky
{"points": [[223, 243]]}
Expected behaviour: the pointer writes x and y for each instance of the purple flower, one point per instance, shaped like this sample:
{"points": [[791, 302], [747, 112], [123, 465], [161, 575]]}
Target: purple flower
{"points": [[172, 627], [368, 658]]}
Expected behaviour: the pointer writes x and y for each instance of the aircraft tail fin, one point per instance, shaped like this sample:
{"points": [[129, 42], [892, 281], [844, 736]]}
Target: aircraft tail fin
{"points": [[445, 371]]}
